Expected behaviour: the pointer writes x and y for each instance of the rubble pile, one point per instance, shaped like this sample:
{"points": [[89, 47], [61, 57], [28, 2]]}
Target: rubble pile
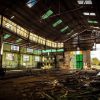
{"points": [[79, 85]]}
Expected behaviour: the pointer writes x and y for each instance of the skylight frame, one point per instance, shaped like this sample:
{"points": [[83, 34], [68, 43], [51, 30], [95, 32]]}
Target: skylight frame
{"points": [[92, 14], [89, 13], [31, 3], [84, 2], [64, 29], [58, 22], [47, 14], [86, 13], [6, 36]]}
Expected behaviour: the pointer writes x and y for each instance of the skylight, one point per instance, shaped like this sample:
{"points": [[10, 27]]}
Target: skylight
{"points": [[57, 23], [65, 28], [89, 14], [92, 21], [83, 2], [31, 3], [92, 14], [47, 14], [7, 36]]}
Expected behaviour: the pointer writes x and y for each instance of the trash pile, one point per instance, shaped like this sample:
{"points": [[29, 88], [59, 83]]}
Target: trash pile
{"points": [[55, 85], [74, 86]]}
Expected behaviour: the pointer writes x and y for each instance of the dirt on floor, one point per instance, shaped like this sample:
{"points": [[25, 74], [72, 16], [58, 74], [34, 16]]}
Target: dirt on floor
{"points": [[53, 85]]}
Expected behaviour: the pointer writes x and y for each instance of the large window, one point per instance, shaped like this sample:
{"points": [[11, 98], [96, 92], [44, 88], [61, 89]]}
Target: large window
{"points": [[25, 58], [33, 37], [29, 50], [13, 47], [10, 56], [48, 43], [95, 56], [37, 58], [21, 31], [9, 24]]}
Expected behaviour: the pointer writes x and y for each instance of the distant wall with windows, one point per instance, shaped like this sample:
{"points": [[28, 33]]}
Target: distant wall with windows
{"points": [[12, 58]]}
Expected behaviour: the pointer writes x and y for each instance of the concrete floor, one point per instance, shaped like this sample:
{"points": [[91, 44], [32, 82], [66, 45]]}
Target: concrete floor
{"points": [[50, 85]]}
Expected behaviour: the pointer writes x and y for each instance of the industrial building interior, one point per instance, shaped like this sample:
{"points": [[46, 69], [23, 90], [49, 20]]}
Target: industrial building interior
{"points": [[45, 49]]}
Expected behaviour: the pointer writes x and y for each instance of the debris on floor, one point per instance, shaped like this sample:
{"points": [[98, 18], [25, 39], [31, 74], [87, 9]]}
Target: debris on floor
{"points": [[79, 85]]}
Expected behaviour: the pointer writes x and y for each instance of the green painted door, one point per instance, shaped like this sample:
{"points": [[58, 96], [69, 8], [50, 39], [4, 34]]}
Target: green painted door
{"points": [[79, 61]]}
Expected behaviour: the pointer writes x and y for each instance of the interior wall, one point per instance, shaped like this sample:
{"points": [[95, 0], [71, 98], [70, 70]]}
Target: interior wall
{"points": [[8, 63]]}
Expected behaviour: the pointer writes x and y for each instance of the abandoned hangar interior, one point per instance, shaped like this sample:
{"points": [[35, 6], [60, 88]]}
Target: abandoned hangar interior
{"points": [[45, 49]]}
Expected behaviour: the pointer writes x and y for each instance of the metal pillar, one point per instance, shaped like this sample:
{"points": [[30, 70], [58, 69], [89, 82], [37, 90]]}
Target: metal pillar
{"points": [[55, 61], [19, 57]]}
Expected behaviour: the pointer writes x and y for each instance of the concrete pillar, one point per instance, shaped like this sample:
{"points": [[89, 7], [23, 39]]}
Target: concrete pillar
{"points": [[67, 60], [60, 61], [55, 61], [87, 59]]}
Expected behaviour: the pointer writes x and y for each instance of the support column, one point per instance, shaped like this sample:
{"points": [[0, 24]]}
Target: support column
{"points": [[1, 42], [87, 59], [55, 61], [67, 60], [2, 70], [19, 57]]}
